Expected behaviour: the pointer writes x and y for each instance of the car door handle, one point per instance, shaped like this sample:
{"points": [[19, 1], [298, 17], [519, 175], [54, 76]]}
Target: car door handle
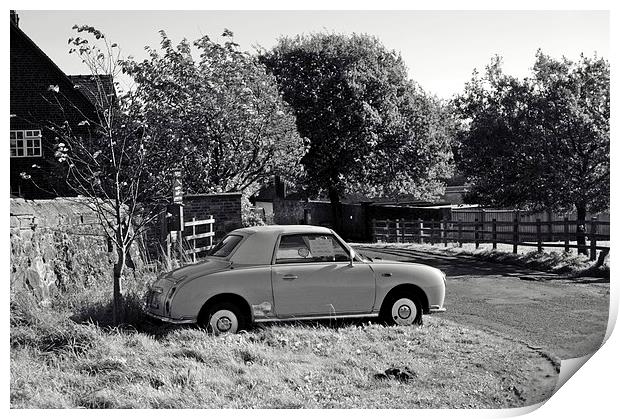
{"points": [[289, 277], [388, 274]]}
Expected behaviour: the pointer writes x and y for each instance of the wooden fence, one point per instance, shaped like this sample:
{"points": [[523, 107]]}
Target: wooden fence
{"points": [[516, 233]]}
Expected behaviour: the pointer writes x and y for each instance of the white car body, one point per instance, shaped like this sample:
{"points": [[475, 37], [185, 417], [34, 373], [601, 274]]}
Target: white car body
{"points": [[296, 272]]}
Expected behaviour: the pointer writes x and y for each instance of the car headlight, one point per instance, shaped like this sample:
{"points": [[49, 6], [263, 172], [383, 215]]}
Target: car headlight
{"points": [[154, 297], [169, 299]]}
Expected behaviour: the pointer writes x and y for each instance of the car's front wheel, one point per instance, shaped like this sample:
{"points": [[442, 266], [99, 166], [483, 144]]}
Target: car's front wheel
{"points": [[224, 318], [402, 311]]}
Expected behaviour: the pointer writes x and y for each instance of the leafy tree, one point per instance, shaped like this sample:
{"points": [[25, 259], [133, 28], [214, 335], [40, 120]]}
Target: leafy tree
{"points": [[221, 117], [371, 130], [491, 140], [107, 155], [541, 143]]}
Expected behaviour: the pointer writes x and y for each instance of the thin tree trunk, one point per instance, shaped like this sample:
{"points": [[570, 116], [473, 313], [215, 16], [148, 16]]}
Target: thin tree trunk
{"points": [[118, 303], [334, 198], [581, 229]]}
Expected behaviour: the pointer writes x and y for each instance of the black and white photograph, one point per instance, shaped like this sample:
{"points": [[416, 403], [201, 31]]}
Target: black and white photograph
{"points": [[254, 207]]}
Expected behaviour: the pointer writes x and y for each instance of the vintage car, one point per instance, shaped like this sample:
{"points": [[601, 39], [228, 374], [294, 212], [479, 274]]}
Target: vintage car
{"points": [[292, 272]]}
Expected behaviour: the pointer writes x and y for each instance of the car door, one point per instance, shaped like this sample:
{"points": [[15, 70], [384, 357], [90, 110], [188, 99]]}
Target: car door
{"points": [[312, 276]]}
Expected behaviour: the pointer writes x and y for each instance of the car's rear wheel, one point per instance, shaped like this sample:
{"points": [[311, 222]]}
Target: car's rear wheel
{"points": [[223, 318], [402, 311]]}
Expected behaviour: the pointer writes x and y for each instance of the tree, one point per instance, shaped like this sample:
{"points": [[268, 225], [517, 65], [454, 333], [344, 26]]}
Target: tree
{"points": [[371, 130], [107, 155], [493, 111], [221, 118], [541, 143]]}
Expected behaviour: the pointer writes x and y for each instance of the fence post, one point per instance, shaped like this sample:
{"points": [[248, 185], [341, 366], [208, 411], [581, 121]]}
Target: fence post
{"points": [[538, 235], [515, 234], [211, 231], [494, 233], [421, 230], [432, 238], [566, 236], [550, 230], [373, 233], [397, 230], [460, 228], [403, 230], [476, 233], [169, 245], [444, 233], [593, 238], [194, 239]]}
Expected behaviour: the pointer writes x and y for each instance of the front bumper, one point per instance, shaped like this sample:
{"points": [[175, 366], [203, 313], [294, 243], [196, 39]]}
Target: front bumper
{"points": [[169, 320]]}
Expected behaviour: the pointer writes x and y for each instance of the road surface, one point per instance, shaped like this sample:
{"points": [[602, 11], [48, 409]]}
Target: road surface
{"points": [[567, 318]]}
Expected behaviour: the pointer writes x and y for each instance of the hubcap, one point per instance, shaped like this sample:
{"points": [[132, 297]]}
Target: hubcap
{"points": [[224, 324], [404, 311], [224, 321]]}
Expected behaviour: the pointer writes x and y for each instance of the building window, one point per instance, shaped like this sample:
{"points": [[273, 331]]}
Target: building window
{"points": [[26, 143]]}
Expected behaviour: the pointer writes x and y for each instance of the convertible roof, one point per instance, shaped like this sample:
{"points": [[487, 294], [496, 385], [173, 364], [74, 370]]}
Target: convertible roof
{"points": [[285, 229]]}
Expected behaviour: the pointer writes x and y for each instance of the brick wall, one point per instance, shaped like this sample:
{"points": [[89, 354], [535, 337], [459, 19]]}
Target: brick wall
{"points": [[224, 207]]}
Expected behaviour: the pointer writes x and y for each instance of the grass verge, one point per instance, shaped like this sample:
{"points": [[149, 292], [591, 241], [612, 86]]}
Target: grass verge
{"points": [[57, 362]]}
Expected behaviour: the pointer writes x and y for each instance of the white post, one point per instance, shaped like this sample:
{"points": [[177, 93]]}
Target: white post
{"points": [[194, 239], [210, 231]]}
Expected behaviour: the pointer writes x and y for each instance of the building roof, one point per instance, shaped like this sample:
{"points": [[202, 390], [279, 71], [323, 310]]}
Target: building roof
{"points": [[16, 31], [89, 87]]}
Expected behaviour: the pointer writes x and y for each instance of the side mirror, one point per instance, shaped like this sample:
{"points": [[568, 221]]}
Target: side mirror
{"points": [[351, 257]]}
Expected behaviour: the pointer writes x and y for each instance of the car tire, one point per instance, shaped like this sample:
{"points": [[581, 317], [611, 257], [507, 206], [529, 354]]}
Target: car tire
{"points": [[223, 318], [402, 310]]}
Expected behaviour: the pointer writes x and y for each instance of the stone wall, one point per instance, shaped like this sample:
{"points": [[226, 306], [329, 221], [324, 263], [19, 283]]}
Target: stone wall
{"points": [[224, 207], [55, 244]]}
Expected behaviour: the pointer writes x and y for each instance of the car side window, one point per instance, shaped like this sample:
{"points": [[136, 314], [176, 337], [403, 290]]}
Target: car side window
{"points": [[305, 248], [225, 246]]}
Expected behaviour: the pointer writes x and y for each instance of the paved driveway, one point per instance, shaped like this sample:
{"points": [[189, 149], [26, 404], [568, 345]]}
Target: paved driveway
{"points": [[563, 317]]}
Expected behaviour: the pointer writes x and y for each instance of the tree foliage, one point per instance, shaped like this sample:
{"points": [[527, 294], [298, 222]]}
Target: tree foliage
{"points": [[541, 143], [371, 129], [220, 117]]}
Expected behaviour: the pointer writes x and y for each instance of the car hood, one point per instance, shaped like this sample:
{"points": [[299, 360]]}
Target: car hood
{"points": [[197, 270], [393, 262]]}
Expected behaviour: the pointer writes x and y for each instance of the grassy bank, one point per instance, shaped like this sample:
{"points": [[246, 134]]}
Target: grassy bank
{"points": [[568, 264], [65, 356]]}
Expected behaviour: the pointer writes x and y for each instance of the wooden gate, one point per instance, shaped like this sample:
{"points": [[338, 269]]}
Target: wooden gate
{"points": [[199, 241]]}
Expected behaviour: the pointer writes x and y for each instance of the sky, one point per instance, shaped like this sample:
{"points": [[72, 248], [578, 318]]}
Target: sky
{"points": [[440, 48]]}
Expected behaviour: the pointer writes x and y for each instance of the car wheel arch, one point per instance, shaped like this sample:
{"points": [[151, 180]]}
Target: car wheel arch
{"points": [[235, 299], [405, 290]]}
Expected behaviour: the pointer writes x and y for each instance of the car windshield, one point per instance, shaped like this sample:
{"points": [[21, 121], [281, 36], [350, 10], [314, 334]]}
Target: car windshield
{"points": [[225, 246]]}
